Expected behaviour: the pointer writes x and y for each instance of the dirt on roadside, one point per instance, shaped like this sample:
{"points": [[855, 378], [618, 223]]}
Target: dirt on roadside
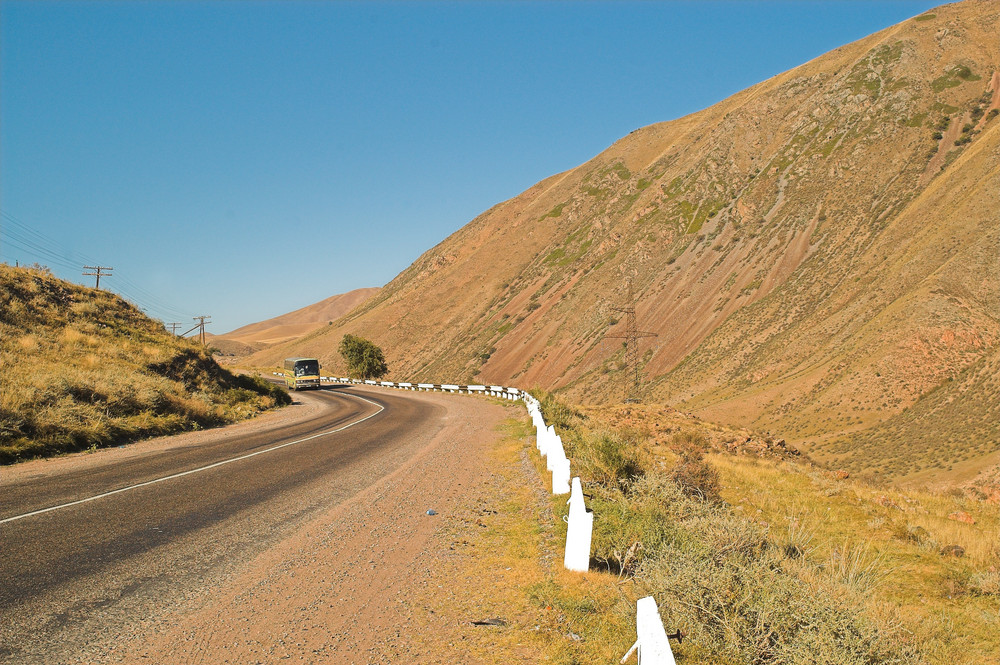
{"points": [[352, 585]]}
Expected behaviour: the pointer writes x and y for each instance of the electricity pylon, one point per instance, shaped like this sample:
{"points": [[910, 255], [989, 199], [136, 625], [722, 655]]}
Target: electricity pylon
{"points": [[631, 337]]}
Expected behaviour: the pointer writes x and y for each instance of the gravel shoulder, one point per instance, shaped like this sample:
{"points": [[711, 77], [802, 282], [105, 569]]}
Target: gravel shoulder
{"points": [[341, 588]]}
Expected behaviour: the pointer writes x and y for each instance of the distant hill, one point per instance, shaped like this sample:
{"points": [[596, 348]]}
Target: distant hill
{"points": [[818, 255], [82, 368], [293, 325]]}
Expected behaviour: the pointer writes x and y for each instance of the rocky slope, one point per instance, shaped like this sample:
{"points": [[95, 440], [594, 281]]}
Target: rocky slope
{"points": [[817, 254]]}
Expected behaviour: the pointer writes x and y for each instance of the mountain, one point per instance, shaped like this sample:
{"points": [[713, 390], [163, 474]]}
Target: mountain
{"points": [[817, 254], [293, 324]]}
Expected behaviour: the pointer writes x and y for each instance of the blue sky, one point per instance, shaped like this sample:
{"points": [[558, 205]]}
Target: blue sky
{"points": [[244, 159]]}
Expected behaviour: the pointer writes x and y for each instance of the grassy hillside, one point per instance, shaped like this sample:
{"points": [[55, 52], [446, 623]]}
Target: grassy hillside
{"points": [[815, 254], [757, 556], [81, 368]]}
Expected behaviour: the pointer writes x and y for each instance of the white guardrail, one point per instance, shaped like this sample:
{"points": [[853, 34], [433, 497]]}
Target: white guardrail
{"points": [[652, 644]]}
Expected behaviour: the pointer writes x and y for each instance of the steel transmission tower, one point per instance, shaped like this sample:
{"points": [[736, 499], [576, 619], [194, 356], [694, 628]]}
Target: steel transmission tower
{"points": [[631, 337]]}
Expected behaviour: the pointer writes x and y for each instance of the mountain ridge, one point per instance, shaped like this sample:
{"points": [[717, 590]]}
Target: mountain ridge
{"points": [[291, 325], [755, 235]]}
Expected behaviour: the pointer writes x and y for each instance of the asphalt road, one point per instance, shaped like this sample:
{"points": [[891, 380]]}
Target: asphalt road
{"points": [[72, 577]]}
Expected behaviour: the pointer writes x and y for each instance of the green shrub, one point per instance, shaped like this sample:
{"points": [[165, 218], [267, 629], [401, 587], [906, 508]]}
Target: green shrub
{"points": [[737, 594], [556, 412], [365, 360], [741, 599], [609, 459]]}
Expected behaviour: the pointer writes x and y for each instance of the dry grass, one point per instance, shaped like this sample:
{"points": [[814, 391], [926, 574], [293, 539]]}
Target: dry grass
{"points": [[740, 593], [554, 615], [793, 562], [511, 569], [891, 540], [84, 369], [790, 566]]}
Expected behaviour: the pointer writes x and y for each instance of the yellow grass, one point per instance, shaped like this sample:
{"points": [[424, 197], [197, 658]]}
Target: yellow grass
{"points": [[513, 570], [940, 599], [894, 591], [83, 369]]}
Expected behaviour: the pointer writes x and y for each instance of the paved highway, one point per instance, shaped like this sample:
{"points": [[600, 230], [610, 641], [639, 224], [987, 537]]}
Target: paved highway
{"points": [[172, 520]]}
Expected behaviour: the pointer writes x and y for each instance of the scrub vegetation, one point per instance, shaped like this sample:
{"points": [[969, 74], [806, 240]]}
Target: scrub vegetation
{"points": [[755, 558], [84, 369]]}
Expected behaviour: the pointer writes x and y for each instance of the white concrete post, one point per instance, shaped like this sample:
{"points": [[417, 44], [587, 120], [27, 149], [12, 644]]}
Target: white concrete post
{"points": [[652, 642], [555, 449], [560, 476], [579, 531]]}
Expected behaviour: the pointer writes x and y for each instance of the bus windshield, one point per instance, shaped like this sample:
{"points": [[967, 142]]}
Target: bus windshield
{"points": [[306, 368]]}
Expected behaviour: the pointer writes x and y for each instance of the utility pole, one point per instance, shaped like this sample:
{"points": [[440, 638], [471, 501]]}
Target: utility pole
{"points": [[202, 320], [173, 327], [98, 273], [200, 327], [631, 337]]}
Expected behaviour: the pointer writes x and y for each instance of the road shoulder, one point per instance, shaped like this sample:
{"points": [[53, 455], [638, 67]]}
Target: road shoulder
{"points": [[341, 588]]}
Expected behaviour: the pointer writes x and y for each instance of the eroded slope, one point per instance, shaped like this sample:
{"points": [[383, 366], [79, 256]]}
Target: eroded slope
{"points": [[814, 253]]}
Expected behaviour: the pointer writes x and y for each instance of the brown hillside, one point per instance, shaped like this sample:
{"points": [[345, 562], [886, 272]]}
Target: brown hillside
{"points": [[818, 255], [296, 324]]}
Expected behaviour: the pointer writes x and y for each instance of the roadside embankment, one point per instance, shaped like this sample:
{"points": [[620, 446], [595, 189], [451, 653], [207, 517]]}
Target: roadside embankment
{"points": [[755, 556], [83, 369]]}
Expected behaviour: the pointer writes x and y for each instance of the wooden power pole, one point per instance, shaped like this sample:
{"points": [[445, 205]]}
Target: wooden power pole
{"points": [[631, 337], [173, 327], [98, 273], [202, 320], [200, 327]]}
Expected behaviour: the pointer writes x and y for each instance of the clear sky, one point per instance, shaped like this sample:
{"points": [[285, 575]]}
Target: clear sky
{"points": [[244, 159]]}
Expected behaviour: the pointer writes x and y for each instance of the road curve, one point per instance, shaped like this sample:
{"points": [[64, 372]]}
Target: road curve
{"points": [[70, 573]]}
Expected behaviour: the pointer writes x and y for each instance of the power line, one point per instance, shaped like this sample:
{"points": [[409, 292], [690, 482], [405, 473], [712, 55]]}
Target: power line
{"points": [[50, 252], [141, 295], [202, 320], [37, 245]]}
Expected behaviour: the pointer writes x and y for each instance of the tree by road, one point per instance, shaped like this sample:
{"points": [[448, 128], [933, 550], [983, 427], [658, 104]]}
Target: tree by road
{"points": [[364, 359]]}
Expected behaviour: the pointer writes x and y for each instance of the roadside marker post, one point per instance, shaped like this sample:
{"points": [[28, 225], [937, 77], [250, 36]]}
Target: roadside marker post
{"points": [[579, 531], [553, 446], [651, 639], [560, 475]]}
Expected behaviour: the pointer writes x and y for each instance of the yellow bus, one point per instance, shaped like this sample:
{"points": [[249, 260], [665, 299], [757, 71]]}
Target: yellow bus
{"points": [[301, 373]]}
